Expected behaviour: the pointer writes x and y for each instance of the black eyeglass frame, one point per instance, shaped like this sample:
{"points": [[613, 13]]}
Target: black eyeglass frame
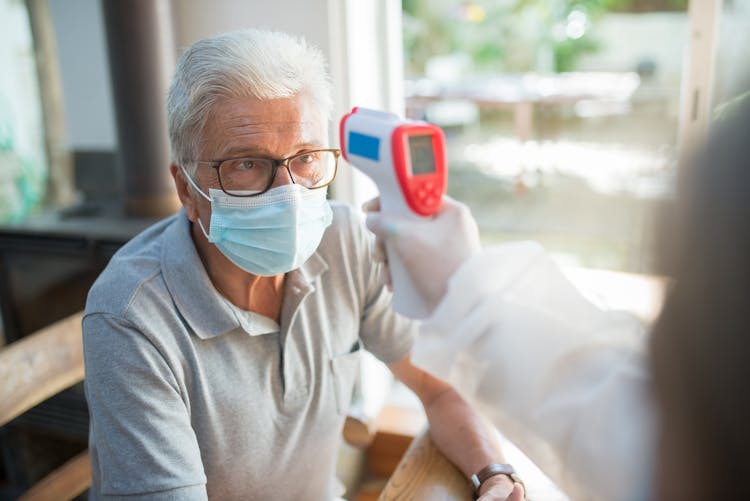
{"points": [[216, 164]]}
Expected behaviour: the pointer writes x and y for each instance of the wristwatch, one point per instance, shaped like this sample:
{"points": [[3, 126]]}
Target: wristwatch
{"points": [[490, 471]]}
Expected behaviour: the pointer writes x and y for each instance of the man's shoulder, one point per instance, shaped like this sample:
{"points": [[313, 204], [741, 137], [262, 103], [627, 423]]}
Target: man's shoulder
{"points": [[132, 267], [347, 222], [344, 215], [347, 234]]}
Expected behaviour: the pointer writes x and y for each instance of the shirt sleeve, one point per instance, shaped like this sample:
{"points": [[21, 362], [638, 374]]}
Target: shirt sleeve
{"points": [[384, 333], [564, 380], [141, 442]]}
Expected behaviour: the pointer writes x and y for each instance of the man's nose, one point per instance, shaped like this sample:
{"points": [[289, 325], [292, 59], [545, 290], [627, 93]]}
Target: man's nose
{"points": [[282, 176]]}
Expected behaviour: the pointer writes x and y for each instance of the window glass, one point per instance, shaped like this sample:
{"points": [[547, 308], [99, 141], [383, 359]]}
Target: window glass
{"points": [[732, 67], [561, 117], [23, 169]]}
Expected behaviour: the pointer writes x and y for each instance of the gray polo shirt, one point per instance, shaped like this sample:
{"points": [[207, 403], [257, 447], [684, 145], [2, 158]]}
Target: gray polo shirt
{"points": [[191, 397]]}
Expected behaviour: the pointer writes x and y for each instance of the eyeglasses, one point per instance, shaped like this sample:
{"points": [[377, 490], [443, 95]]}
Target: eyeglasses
{"points": [[311, 169]]}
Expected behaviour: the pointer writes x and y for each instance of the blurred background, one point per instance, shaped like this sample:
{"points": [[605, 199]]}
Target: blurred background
{"points": [[562, 115], [565, 122]]}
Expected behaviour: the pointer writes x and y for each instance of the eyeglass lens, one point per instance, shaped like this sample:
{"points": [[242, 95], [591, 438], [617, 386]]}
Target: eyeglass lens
{"points": [[311, 170]]}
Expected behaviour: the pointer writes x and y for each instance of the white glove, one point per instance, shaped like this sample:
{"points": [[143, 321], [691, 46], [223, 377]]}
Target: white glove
{"points": [[431, 249]]}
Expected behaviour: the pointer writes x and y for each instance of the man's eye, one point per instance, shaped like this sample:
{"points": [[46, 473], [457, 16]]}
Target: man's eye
{"points": [[307, 159], [245, 164]]}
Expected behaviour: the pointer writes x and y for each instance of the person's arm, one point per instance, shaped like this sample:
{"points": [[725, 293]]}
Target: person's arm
{"points": [[141, 442], [458, 431], [564, 380], [431, 249]]}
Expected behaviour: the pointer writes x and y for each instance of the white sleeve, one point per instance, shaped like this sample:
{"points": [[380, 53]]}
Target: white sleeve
{"points": [[564, 380]]}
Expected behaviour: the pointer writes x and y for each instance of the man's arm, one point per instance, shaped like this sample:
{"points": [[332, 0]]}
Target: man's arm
{"points": [[460, 433], [142, 444]]}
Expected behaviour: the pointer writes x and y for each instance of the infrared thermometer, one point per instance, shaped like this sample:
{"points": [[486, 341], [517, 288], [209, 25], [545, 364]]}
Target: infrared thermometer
{"points": [[407, 161]]}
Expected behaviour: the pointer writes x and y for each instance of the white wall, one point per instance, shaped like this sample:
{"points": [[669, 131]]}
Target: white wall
{"points": [[20, 108], [196, 19], [84, 67], [628, 38], [733, 52]]}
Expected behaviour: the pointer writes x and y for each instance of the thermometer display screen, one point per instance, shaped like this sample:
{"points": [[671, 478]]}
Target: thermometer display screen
{"points": [[422, 156]]}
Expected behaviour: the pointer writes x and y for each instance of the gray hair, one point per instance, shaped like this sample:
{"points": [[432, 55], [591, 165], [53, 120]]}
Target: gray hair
{"points": [[245, 63]]}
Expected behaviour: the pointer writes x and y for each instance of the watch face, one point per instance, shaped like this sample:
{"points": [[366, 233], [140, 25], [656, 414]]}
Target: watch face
{"points": [[475, 482]]}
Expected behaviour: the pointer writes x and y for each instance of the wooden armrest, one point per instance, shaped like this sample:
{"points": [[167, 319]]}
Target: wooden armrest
{"points": [[40, 365], [394, 421], [359, 429], [66, 482], [33, 369], [424, 473]]}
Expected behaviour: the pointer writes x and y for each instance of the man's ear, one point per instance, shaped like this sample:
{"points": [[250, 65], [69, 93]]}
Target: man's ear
{"points": [[183, 191]]}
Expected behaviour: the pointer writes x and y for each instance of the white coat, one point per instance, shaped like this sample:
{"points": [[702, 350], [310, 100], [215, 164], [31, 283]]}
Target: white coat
{"points": [[564, 380]]}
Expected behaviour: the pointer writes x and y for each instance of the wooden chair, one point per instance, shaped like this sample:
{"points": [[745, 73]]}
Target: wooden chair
{"points": [[33, 369], [424, 473], [400, 450]]}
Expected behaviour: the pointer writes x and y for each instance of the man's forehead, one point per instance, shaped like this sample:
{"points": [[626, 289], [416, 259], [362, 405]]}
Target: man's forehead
{"points": [[273, 128], [287, 109], [250, 125], [252, 115], [297, 130]]}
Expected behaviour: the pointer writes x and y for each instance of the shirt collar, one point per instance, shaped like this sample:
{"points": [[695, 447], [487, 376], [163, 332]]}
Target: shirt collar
{"points": [[207, 312]]}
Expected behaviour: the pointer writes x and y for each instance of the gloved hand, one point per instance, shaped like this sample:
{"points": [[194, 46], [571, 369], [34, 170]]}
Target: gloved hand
{"points": [[431, 249]]}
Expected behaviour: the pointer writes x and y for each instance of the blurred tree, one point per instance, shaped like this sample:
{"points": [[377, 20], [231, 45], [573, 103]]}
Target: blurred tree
{"points": [[22, 182], [510, 35], [648, 5]]}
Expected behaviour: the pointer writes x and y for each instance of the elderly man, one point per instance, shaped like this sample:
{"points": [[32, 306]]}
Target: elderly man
{"points": [[222, 344]]}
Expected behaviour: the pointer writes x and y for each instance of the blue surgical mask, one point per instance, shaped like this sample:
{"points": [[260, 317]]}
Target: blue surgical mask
{"points": [[271, 233]]}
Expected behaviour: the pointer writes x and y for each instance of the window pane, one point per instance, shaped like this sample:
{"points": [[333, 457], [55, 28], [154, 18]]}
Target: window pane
{"points": [[732, 67], [560, 117], [23, 163]]}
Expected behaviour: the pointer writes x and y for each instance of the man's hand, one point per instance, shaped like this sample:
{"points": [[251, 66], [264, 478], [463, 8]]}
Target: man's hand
{"points": [[431, 249], [460, 433], [500, 488]]}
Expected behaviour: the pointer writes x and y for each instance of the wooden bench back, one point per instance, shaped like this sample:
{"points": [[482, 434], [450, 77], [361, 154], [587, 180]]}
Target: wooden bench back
{"points": [[33, 369]]}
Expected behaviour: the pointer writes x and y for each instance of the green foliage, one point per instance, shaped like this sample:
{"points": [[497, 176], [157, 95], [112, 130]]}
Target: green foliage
{"points": [[567, 52], [509, 35], [647, 5], [22, 182]]}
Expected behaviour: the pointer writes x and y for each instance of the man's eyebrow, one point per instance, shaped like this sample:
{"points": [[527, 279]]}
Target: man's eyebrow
{"points": [[246, 151], [261, 152]]}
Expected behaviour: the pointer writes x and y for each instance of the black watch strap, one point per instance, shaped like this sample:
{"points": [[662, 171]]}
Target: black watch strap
{"points": [[490, 471]]}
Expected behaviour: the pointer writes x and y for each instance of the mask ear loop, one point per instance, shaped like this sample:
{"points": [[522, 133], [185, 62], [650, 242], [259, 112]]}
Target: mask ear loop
{"points": [[195, 187]]}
